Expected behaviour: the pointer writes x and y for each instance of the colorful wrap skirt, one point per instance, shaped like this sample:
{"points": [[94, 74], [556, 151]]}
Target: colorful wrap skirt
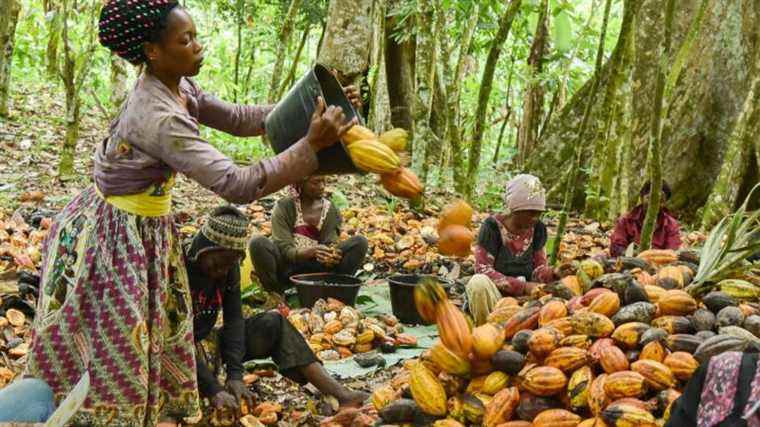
{"points": [[115, 302]]}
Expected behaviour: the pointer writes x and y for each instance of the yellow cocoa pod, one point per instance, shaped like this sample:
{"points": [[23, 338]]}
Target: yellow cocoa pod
{"points": [[372, 156]]}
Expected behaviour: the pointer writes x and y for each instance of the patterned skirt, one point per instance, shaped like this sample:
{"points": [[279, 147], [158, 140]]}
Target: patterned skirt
{"points": [[115, 302]]}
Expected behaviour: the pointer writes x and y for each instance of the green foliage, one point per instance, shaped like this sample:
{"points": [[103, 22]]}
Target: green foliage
{"points": [[574, 32]]}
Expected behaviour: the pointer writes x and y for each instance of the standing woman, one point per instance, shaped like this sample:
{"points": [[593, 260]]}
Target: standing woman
{"points": [[114, 297]]}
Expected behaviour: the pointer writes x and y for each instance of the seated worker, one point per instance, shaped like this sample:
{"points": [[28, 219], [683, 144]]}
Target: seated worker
{"points": [[213, 268], [509, 255], [667, 234], [723, 392], [305, 230]]}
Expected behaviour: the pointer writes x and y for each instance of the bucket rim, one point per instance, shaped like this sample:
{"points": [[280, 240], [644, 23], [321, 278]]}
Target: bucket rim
{"points": [[300, 280], [446, 283]]}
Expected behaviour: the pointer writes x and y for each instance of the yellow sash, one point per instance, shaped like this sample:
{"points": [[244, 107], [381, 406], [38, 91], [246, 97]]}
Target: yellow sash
{"points": [[153, 202]]}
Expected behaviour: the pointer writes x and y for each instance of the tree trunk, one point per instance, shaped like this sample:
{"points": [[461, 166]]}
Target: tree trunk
{"points": [[508, 115], [240, 18], [486, 84], [604, 165], [570, 186], [399, 68], [534, 93], [724, 195], [9, 12], [427, 59], [654, 161], [73, 74], [294, 66], [52, 11], [706, 100], [119, 89], [348, 36], [379, 111], [283, 39], [454, 95]]}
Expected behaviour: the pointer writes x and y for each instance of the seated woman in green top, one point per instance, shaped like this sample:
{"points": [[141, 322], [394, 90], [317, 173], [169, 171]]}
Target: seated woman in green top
{"points": [[305, 230]]}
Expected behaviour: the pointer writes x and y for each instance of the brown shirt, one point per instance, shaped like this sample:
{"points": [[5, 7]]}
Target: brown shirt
{"points": [[154, 136]]}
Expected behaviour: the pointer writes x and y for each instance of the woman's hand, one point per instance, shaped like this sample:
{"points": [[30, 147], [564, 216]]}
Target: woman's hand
{"points": [[224, 400], [328, 124], [241, 393], [353, 95]]}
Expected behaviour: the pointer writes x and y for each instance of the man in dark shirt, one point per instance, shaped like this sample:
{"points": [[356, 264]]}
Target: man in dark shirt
{"points": [[213, 268]]}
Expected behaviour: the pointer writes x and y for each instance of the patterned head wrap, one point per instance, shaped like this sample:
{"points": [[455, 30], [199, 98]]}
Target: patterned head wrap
{"points": [[125, 25], [227, 228], [524, 193]]}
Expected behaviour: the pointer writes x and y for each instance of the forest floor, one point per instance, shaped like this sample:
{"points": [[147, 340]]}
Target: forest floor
{"points": [[31, 192]]}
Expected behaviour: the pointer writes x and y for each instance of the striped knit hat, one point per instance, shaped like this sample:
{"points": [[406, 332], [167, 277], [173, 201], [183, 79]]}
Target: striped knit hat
{"points": [[227, 227], [125, 25]]}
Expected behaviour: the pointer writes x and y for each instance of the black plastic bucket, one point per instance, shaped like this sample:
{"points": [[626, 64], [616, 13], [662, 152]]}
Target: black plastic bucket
{"points": [[314, 286], [290, 119], [402, 296]]}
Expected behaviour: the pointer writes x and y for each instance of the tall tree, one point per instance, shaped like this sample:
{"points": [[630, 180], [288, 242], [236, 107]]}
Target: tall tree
{"points": [[290, 78], [533, 101], [283, 39], [399, 69], [78, 48], [347, 40], [379, 108], [605, 163], [427, 62], [53, 23], [486, 85], [9, 12], [572, 173], [654, 155], [454, 96]]}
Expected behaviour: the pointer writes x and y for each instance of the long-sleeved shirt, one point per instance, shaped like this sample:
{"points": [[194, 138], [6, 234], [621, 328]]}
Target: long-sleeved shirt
{"points": [[284, 219], [208, 297], [155, 136], [493, 238], [667, 232]]}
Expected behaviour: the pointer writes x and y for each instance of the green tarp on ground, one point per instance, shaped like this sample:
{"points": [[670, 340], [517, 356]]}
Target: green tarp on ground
{"points": [[375, 299]]}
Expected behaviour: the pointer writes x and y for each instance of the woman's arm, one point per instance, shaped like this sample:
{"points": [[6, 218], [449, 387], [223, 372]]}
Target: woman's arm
{"points": [[181, 147], [619, 240]]}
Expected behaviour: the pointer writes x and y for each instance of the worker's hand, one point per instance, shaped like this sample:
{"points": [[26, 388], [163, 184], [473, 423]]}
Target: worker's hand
{"points": [[328, 124], [241, 393], [353, 95], [309, 253], [326, 256], [224, 400]]}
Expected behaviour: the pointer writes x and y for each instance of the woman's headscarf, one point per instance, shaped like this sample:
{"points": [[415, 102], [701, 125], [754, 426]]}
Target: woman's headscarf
{"points": [[524, 193]]}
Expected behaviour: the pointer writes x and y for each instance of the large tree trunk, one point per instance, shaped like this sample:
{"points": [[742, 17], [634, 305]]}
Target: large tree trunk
{"points": [[348, 38], [283, 39], [379, 108], [533, 103], [706, 101], [119, 89], [486, 84], [399, 68], [9, 11], [736, 163]]}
